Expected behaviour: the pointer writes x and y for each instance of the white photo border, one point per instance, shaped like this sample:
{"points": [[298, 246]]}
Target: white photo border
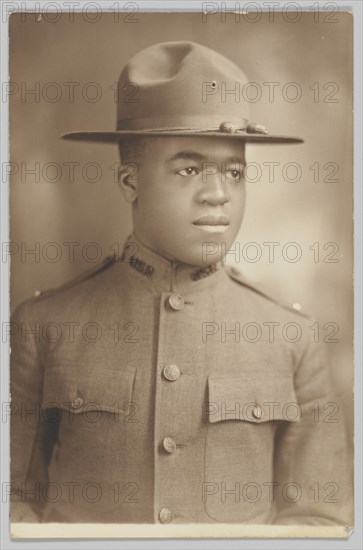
{"points": [[127, 540]]}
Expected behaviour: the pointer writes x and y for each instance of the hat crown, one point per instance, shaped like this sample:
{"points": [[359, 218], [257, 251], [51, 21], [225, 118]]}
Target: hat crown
{"points": [[180, 84], [183, 89]]}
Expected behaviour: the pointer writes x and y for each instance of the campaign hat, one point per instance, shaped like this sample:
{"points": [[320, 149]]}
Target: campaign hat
{"points": [[183, 88]]}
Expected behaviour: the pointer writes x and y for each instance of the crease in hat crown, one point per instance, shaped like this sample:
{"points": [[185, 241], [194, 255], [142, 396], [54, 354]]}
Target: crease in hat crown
{"points": [[182, 88]]}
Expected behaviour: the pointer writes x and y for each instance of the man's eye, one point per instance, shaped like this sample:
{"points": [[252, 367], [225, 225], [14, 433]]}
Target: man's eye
{"points": [[189, 171], [234, 174]]}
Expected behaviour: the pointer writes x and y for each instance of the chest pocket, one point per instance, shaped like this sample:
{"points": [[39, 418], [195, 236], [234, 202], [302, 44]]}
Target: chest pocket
{"points": [[89, 390], [240, 398], [242, 415], [93, 415]]}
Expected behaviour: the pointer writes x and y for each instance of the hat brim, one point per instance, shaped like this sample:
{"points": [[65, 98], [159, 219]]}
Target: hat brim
{"points": [[115, 136]]}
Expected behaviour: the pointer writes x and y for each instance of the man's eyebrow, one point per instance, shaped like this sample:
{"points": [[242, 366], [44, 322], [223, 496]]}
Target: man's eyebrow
{"points": [[236, 159], [187, 155], [192, 155]]}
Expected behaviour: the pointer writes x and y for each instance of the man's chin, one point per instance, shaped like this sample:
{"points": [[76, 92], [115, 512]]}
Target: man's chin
{"points": [[199, 250], [203, 253]]}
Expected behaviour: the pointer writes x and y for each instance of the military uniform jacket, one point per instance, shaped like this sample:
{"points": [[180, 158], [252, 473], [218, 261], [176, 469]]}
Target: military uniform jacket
{"points": [[149, 391]]}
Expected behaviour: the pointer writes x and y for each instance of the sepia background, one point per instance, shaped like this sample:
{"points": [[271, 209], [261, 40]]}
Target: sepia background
{"points": [[49, 206]]}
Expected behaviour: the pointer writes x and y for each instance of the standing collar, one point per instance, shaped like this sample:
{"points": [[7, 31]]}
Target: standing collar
{"points": [[163, 274]]}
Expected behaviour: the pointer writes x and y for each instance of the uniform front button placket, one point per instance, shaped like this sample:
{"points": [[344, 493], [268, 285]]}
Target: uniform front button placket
{"points": [[176, 302], [165, 515]]}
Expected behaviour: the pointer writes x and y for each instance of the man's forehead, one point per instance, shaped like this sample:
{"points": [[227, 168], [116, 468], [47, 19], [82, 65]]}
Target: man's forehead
{"points": [[199, 157], [200, 148]]}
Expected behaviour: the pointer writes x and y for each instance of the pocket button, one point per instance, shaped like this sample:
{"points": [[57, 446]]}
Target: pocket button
{"points": [[257, 412], [77, 402]]}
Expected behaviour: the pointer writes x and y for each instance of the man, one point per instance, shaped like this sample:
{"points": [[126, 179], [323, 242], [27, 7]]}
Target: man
{"points": [[174, 397]]}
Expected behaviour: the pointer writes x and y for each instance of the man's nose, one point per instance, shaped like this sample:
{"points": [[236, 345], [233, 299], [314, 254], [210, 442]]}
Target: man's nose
{"points": [[213, 188]]}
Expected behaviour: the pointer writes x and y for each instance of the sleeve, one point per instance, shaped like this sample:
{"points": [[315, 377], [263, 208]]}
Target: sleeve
{"points": [[30, 436], [312, 463]]}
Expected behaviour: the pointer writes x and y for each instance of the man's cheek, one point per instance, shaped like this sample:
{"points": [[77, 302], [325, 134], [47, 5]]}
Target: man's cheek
{"points": [[238, 205]]}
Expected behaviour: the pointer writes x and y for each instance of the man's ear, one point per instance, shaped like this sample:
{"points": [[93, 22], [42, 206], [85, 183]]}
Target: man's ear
{"points": [[127, 179]]}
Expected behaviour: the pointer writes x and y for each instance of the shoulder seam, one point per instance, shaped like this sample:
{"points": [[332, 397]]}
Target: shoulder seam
{"points": [[238, 277], [84, 276]]}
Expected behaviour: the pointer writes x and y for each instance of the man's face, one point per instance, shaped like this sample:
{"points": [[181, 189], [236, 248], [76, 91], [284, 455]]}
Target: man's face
{"points": [[190, 197]]}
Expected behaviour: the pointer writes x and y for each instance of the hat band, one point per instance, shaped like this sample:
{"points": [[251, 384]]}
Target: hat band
{"points": [[203, 123]]}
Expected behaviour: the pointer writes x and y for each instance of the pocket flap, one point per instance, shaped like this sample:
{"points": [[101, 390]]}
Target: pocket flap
{"points": [[240, 398], [86, 388]]}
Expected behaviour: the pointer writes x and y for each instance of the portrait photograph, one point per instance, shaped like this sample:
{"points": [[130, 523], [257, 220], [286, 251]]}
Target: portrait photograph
{"points": [[180, 330]]}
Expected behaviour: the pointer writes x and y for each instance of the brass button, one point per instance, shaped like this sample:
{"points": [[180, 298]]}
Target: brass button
{"points": [[171, 372], [37, 293], [77, 402], [169, 444], [165, 515], [257, 412], [176, 301]]}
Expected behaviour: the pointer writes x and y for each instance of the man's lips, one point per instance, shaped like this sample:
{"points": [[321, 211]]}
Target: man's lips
{"points": [[212, 220]]}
